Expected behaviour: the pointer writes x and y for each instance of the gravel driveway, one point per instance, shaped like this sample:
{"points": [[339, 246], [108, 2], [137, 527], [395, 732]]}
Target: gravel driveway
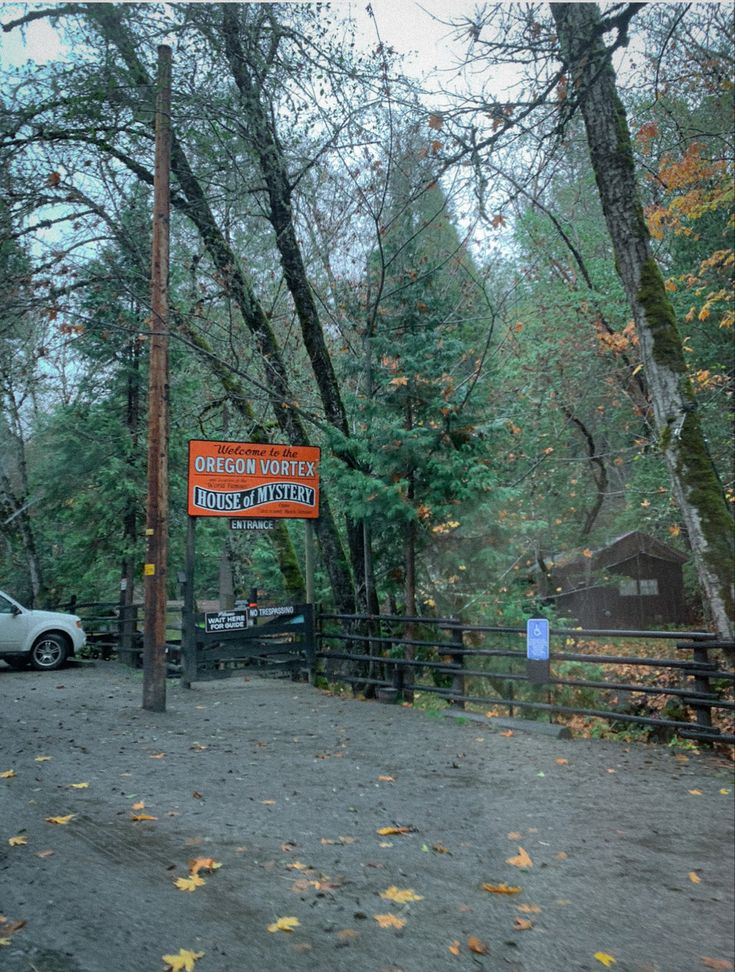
{"points": [[628, 850]]}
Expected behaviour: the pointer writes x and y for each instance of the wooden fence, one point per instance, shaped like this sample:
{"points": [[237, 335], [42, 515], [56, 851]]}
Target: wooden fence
{"points": [[688, 691]]}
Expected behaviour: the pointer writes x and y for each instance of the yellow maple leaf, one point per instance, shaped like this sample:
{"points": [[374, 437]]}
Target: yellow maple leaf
{"points": [[183, 961], [284, 925], [561, 761], [203, 864], [694, 877], [390, 921], [521, 859], [387, 779], [17, 841], [501, 888], [528, 909], [477, 946], [400, 895], [7, 774], [189, 883], [695, 792], [604, 959], [61, 820], [139, 805], [137, 817], [385, 831], [79, 786], [522, 924]]}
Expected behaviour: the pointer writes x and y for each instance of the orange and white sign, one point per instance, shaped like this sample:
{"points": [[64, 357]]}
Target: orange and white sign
{"points": [[247, 479]]}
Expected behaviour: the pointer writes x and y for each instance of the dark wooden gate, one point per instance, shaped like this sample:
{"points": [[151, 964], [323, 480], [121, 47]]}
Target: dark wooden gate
{"points": [[280, 640]]}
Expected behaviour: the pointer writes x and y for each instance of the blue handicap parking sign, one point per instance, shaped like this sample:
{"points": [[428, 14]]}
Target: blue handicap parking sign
{"points": [[537, 639]]}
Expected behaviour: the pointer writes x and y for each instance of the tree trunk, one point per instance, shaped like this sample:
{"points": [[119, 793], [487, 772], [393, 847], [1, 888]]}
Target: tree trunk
{"points": [[259, 128], [695, 482]]}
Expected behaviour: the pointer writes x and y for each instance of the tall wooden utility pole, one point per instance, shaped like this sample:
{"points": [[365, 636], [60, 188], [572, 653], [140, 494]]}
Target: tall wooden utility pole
{"points": [[154, 637]]}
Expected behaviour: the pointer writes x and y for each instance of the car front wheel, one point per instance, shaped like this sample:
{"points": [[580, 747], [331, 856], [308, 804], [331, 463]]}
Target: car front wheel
{"points": [[49, 652]]}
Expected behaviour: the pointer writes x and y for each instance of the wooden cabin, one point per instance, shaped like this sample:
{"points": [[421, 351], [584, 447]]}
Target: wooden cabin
{"points": [[633, 582]]}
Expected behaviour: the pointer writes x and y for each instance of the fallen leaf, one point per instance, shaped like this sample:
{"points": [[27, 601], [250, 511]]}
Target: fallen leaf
{"points": [[390, 921], [454, 948], [714, 963], [507, 732], [724, 791], [79, 786], [514, 835], [561, 761], [681, 758], [7, 774], [4, 941], [695, 792], [522, 924], [61, 820], [137, 817], [284, 925], [268, 803], [203, 864], [400, 895], [528, 909], [296, 866], [42, 759], [183, 961], [694, 877], [561, 856], [189, 883], [501, 888], [157, 756], [139, 805], [197, 795], [387, 779], [17, 841], [385, 831], [385, 843], [520, 860], [345, 934], [604, 959], [198, 747], [45, 853], [477, 946], [439, 849]]}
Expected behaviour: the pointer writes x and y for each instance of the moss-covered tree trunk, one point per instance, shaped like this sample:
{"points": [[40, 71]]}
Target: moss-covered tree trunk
{"points": [[695, 482]]}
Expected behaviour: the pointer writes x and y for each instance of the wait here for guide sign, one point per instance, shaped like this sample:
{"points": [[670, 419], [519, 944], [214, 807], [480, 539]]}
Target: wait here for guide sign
{"points": [[247, 479]]}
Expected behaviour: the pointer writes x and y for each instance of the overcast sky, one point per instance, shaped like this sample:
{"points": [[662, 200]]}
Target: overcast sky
{"points": [[404, 25]]}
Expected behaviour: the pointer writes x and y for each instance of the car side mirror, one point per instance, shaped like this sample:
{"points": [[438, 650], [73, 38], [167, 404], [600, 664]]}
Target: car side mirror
{"points": [[14, 610]]}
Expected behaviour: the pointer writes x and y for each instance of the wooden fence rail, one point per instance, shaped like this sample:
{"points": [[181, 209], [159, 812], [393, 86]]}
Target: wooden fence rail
{"points": [[481, 665]]}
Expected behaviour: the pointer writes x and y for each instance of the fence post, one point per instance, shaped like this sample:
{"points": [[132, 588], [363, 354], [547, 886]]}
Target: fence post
{"points": [[458, 683], [703, 714], [310, 642]]}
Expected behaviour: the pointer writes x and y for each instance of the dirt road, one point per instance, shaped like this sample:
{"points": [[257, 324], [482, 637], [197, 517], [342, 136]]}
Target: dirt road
{"points": [[628, 851]]}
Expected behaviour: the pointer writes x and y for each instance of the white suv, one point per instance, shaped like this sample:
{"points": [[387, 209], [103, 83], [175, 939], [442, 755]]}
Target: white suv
{"points": [[43, 639]]}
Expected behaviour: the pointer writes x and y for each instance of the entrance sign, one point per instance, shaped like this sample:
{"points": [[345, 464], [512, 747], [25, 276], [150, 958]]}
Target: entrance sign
{"points": [[254, 480], [537, 639], [225, 621], [252, 524]]}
